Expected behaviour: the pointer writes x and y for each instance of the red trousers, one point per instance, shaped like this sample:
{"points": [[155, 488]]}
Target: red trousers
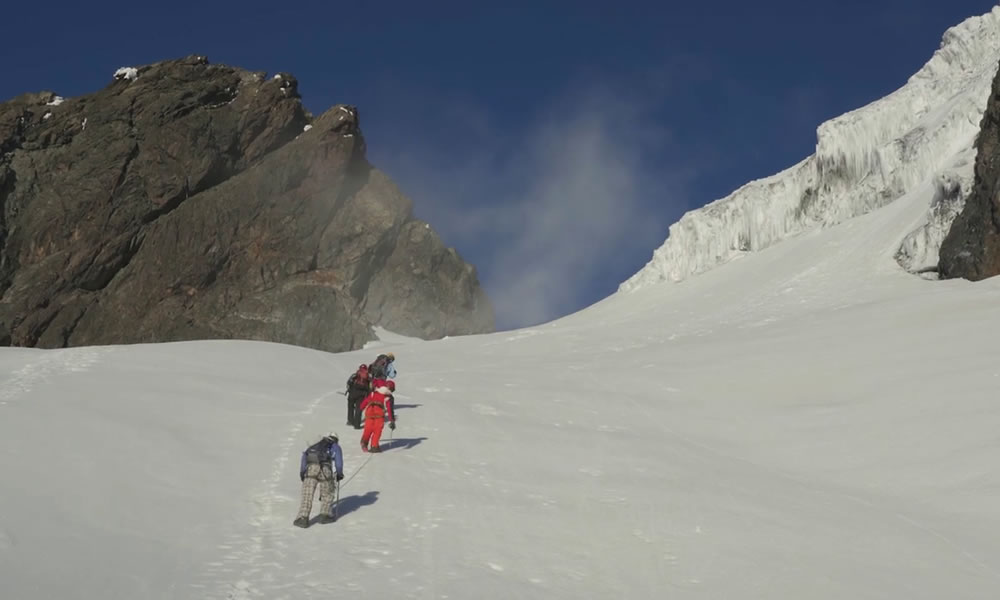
{"points": [[373, 431]]}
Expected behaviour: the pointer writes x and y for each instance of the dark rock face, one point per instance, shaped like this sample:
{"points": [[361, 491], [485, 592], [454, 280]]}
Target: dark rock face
{"points": [[191, 202], [971, 250]]}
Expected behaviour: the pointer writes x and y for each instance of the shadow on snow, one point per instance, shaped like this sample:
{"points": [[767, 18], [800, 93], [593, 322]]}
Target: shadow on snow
{"points": [[400, 443], [349, 504]]}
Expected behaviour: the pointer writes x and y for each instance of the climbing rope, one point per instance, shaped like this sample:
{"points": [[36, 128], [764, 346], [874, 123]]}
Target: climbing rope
{"points": [[356, 471]]}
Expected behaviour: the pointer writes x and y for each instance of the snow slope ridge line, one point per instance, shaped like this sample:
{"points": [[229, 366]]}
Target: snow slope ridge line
{"points": [[864, 160]]}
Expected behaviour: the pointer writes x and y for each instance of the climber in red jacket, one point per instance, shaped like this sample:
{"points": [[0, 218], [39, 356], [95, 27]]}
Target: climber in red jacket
{"points": [[377, 409]]}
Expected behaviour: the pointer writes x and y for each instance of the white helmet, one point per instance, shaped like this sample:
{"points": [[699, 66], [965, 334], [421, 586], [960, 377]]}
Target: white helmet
{"points": [[331, 436]]}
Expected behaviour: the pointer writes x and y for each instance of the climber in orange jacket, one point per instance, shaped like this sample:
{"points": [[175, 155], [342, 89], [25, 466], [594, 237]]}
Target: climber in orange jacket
{"points": [[377, 409]]}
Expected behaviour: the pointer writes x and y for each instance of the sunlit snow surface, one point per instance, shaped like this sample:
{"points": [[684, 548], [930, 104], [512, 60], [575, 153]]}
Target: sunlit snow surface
{"points": [[807, 422], [922, 133]]}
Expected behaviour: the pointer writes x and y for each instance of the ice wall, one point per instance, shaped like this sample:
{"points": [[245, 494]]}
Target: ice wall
{"points": [[864, 159]]}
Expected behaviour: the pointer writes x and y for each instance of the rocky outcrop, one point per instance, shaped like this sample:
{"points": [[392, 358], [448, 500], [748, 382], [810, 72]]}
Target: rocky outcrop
{"points": [[191, 201], [971, 250]]}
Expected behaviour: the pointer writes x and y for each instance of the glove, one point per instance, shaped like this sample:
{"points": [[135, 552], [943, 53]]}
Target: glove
{"points": [[302, 475], [392, 425], [340, 476]]}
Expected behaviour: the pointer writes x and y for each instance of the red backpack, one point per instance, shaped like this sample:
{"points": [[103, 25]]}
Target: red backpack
{"points": [[361, 377]]}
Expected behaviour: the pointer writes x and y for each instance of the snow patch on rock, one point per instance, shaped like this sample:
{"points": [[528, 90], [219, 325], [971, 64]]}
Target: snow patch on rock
{"points": [[127, 73], [919, 251]]}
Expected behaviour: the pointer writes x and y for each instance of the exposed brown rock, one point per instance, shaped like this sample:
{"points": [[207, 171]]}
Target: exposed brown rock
{"points": [[190, 203], [971, 249]]}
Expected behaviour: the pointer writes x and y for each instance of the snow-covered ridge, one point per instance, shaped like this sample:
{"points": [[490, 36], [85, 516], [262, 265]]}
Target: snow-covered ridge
{"points": [[864, 159]]}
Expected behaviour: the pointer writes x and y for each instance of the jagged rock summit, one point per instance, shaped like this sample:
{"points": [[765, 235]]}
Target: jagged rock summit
{"points": [[188, 200]]}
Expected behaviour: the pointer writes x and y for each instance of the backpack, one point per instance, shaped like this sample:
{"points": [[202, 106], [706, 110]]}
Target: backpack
{"points": [[318, 453], [379, 367], [361, 377]]}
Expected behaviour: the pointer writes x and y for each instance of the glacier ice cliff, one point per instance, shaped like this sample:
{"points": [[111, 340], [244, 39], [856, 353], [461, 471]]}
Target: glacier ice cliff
{"points": [[864, 160]]}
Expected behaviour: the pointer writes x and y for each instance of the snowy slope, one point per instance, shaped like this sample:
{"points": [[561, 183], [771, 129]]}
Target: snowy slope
{"points": [[808, 422], [922, 133]]}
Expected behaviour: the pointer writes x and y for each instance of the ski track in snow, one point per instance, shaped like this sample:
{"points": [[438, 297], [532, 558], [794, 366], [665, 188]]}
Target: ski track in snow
{"points": [[256, 559], [7, 541], [47, 365]]}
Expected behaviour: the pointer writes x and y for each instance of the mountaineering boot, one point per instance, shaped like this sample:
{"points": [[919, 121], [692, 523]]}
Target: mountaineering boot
{"points": [[324, 519], [375, 449], [364, 447], [301, 522]]}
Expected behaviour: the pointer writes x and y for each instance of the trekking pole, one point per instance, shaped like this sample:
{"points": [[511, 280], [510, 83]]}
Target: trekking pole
{"points": [[336, 503]]}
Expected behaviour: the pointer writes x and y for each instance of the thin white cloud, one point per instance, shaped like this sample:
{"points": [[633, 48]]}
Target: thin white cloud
{"points": [[581, 202], [548, 203]]}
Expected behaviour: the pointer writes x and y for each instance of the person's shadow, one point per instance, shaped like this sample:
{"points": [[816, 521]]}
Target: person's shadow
{"points": [[400, 443], [349, 504], [405, 406]]}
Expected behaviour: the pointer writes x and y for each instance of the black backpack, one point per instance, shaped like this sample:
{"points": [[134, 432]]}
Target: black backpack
{"points": [[318, 453], [378, 369]]}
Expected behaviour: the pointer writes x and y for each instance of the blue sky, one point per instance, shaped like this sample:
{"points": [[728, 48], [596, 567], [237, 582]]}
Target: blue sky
{"points": [[551, 143]]}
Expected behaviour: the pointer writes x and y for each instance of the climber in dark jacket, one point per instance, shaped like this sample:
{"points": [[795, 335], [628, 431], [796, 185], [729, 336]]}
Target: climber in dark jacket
{"points": [[358, 386], [383, 367]]}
